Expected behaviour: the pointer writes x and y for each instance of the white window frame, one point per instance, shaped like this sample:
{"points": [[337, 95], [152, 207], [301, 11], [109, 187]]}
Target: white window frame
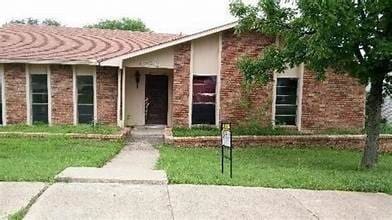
{"points": [[299, 77], [3, 97], [29, 94], [76, 73]]}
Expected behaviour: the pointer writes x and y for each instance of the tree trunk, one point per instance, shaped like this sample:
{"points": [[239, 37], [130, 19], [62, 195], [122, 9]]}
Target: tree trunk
{"points": [[373, 121]]}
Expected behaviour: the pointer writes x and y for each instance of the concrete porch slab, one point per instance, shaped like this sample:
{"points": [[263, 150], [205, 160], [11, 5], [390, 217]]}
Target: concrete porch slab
{"points": [[112, 175], [15, 196]]}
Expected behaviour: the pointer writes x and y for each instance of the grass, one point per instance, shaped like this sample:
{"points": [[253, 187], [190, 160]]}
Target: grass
{"points": [[84, 129], [40, 159], [322, 169]]}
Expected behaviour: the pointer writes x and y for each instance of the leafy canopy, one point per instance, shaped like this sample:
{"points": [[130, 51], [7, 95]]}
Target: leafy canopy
{"points": [[351, 36], [34, 21], [129, 24]]}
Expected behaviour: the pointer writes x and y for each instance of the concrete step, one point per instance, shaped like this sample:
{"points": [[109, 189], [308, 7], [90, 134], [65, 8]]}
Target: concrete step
{"points": [[112, 175]]}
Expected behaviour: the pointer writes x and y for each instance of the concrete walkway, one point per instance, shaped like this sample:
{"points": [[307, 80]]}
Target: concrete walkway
{"points": [[133, 165], [124, 201], [14, 196]]}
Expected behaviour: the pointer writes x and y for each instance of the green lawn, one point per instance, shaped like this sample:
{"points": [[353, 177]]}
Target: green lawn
{"points": [[40, 159], [84, 129], [278, 168]]}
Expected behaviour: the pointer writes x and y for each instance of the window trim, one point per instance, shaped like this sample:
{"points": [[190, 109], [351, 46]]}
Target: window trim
{"points": [[30, 94], [77, 73], [300, 77], [3, 96]]}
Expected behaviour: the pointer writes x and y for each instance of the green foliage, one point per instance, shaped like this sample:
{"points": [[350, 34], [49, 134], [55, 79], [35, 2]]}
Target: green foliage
{"points": [[129, 24], [349, 36], [321, 169], [83, 128], [34, 21], [244, 129], [40, 159]]}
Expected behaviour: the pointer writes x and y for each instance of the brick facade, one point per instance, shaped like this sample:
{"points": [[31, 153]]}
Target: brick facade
{"points": [[107, 94], [15, 91], [181, 74], [236, 105], [61, 81], [336, 102]]}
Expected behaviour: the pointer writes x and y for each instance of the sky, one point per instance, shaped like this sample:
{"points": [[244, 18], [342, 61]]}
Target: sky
{"points": [[166, 16]]}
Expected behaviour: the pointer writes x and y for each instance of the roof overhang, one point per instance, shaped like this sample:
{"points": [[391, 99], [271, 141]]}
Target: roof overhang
{"points": [[63, 62], [118, 61]]}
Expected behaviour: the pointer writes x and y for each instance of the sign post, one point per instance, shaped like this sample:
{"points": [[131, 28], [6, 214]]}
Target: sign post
{"points": [[226, 146]]}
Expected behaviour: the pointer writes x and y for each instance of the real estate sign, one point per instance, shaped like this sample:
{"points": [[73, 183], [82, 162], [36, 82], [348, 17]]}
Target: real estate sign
{"points": [[227, 147]]}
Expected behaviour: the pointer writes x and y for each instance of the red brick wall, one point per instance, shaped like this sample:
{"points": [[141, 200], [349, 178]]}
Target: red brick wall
{"points": [[61, 81], [181, 74], [336, 102], [235, 104], [107, 94], [15, 90]]}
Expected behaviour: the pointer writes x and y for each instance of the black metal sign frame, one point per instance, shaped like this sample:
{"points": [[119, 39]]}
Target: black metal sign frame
{"points": [[226, 144]]}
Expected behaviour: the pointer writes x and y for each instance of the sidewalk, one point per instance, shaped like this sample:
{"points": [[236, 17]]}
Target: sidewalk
{"points": [[122, 201]]}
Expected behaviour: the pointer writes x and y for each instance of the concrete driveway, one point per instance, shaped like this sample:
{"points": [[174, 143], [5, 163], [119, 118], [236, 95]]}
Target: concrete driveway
{"points": [[121, 201]]}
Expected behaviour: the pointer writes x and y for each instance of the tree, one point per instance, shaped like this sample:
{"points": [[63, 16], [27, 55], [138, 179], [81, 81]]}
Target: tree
{"points": [[121, 24], [34, 21], [349, 36]]}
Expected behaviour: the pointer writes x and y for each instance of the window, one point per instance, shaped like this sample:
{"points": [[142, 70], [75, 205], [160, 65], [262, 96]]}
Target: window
{"points": [[1, 100], [203, 106], [286, 101], [85, 86], [39, 94]]}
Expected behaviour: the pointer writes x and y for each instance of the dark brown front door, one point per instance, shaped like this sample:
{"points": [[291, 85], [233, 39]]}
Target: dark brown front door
{"points": [[156, 99]]}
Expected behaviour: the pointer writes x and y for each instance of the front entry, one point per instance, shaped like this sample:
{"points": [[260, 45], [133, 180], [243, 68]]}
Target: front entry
{"points": [[156, 99]]}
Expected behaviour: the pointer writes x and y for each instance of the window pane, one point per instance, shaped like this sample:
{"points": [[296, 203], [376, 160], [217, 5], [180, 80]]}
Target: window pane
{"points": [[285, 90], [286, 101], [39, 84], [40, 98], [285, 120], [39, 93], [40, 113], [289, 82], [85, 85], [86, 113], [204, 98], [286, 110], [203, 114]]}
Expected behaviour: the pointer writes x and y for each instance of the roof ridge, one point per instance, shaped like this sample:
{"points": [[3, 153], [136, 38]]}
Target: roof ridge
{"points": [[9, 25]]}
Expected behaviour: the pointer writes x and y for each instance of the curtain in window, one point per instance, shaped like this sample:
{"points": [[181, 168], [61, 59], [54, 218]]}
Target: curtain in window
{"points": [[204, 95]]}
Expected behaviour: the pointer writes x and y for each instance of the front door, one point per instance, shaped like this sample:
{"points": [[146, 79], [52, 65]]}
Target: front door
{"points": [[156, 99]]}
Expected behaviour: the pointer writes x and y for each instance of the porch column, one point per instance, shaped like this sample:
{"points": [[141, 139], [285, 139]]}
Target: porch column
{"points": [[123, 98], [119, 99]]}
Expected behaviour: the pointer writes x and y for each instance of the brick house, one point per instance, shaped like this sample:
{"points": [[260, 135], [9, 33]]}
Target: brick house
{"points": [[61, 75]]}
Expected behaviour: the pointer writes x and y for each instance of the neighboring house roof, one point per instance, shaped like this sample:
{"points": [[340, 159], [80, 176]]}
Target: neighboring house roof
{"points": [[65, 45], [49, 44]]}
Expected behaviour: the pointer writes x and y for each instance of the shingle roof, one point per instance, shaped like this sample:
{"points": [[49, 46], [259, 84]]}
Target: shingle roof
{"points": [[65, 44]]}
